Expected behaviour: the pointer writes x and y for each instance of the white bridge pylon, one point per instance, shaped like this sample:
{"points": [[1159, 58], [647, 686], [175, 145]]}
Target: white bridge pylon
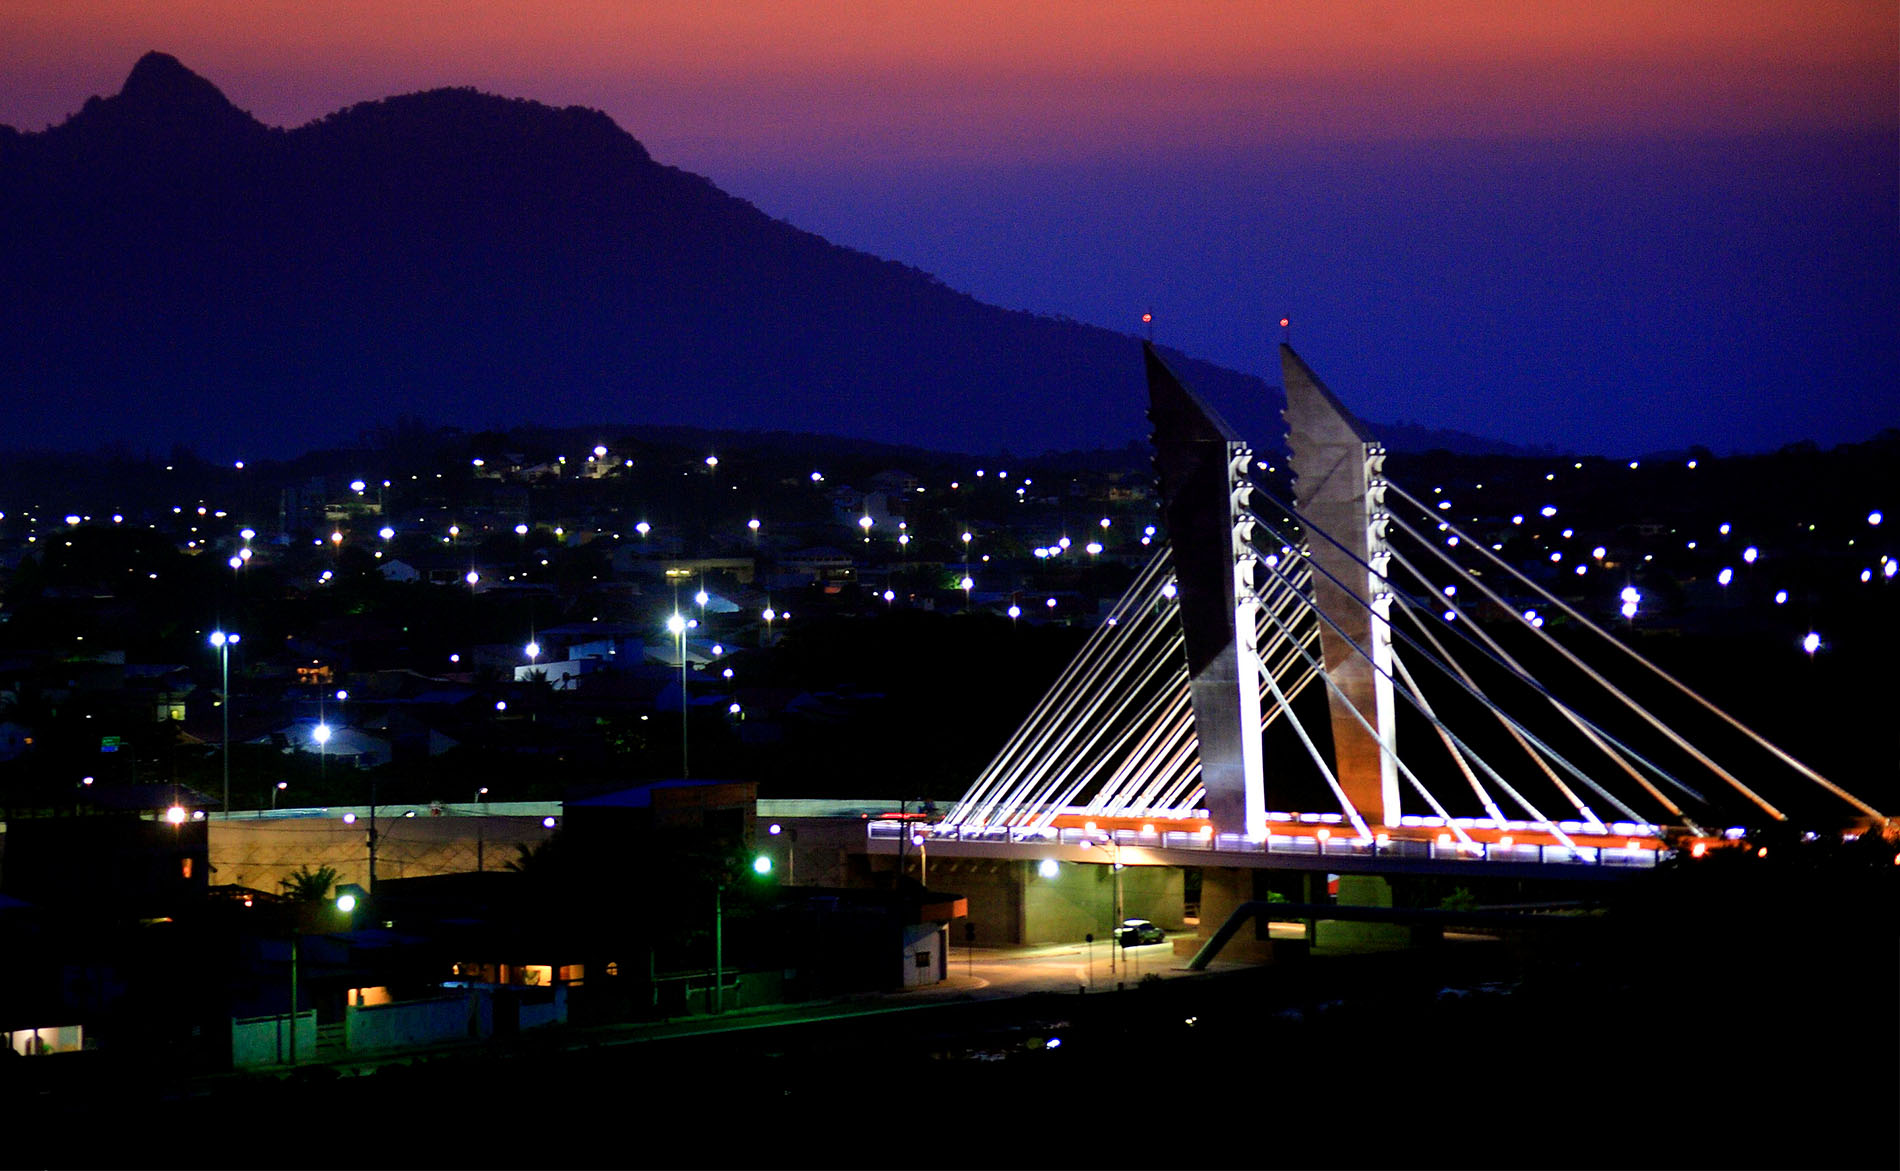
{"points": [[1365, 591]]}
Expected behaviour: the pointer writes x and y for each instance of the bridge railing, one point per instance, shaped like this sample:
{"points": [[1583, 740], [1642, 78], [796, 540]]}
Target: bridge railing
{"points": [[1293, 844]]}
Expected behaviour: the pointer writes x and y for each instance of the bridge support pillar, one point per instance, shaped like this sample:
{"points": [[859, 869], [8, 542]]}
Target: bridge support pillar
{"points": [[1222, 890], [1339, 488], [1202, 466]]}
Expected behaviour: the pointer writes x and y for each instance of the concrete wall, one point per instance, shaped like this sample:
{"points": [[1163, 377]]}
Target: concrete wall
{"points": [[1223, 889], [811, 851], [1080, 900], [1362, 890], [260, 853], [994, 889], [1011, 903], [464, 1017], [266, 1040]]}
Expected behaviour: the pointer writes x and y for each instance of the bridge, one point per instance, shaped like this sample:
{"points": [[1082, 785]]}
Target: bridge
{"points": [[1340, 680]]}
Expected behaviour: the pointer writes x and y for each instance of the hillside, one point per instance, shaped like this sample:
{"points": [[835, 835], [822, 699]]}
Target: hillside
{"points": [[180, 273]]}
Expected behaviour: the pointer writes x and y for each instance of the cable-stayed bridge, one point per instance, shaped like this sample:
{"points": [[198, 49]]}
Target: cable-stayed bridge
{"points": [[1345, 680]]}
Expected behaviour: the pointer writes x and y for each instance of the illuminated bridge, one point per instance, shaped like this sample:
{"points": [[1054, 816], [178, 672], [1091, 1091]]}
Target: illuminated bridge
{"points": [[1346, 682]]}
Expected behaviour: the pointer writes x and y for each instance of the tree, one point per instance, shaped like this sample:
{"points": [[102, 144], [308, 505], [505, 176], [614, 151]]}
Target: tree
{"points": [[309, 886]]}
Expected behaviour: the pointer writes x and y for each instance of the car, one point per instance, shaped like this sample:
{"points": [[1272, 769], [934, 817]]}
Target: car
{"points": [[1134, 932]]}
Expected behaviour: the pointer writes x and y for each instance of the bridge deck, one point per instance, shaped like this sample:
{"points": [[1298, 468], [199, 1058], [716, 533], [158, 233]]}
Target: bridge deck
{"points": [[1274, 852]]}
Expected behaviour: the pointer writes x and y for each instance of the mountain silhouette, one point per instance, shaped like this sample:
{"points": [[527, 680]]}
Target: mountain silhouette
{"points": [[181, 273]]}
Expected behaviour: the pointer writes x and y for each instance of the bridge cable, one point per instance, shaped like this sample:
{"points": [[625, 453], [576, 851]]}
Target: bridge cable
{"points": [[1004, 773], [1644, 713], [1474, 692], [1477, 694], [1731, 721], [1417, 784], [1586, 727]]}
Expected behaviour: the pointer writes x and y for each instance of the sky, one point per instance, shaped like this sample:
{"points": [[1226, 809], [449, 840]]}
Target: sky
{"points": [[1614, 225]]}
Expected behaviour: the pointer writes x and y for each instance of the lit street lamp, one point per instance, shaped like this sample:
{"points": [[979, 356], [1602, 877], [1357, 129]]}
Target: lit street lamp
{"points": [[676, 624], [322, 736], [223, 642], [481, 819], [791, 850]]}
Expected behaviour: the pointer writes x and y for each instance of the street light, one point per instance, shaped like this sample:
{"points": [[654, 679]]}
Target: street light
{"points": [[676, 624], [791, 850], [322, 736], [481, 820], [224, 642], [1115, 867]]}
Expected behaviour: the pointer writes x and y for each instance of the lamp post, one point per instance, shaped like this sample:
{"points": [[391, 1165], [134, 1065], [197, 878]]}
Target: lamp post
{"points": [[345, 904], [761, 867], [676, 624], [719, 947], [1115, 910], [321, 734], [223, 642], [481, 821]]}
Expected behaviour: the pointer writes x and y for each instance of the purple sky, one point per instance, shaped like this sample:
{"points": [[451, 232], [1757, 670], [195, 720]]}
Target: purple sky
{"points": [[1615, 225]]}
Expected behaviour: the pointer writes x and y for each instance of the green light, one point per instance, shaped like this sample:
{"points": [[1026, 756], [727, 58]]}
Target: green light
{"points": [[761, 865], [346, 903]]}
